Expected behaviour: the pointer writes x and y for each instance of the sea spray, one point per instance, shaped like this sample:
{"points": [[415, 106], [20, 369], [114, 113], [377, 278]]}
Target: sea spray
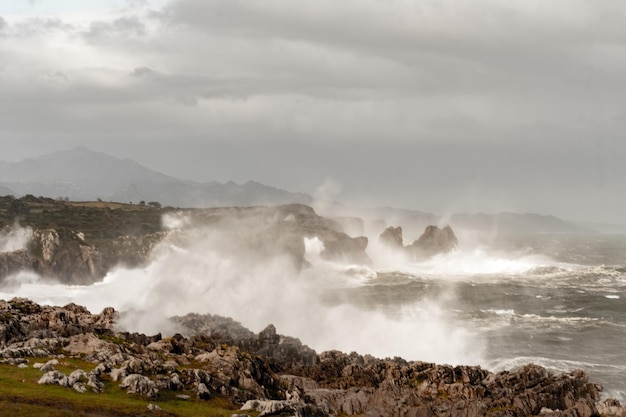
{"points": [[205, 275], [15, 238]]}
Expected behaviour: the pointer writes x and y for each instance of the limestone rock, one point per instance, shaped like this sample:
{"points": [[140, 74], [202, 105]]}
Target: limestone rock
{"points": [[203, 392], [54, 378], [139, 384], [433, 241], [271, 373], [392, 237]]}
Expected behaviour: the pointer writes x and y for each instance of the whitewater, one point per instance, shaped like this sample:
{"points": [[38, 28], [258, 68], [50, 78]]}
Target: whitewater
{"points": [[554, 300]]}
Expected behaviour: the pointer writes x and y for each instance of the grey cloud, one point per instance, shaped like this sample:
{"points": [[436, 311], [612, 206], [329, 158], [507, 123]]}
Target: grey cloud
{"points": [[143, 72], [420, 103], [37, 26], [121, 28]]}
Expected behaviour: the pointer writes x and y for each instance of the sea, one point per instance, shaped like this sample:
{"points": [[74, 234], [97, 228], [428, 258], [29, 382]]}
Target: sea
{"points": [[558, 301], [498, 302]]}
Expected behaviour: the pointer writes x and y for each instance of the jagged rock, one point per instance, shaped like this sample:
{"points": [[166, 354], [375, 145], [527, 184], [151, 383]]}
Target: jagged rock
{"points": [[392, 237], [48, 366], [282, 375], [203, 392], [285, 407], [24, 320], [139, 384], [54, 378], [94, 383], [77, 376], [611, 408], [271, 407], [433, 241], [118, 374], [175, 384]]}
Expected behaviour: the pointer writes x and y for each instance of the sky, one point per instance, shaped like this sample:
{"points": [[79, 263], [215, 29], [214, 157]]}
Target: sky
{"points": [[441, 106]]}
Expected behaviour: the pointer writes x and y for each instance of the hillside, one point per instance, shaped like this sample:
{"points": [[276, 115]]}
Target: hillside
{"points": [[83, 174]]}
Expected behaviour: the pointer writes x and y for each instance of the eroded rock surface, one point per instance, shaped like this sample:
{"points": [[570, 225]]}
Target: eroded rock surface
{"points": [[433, 241], [78, 243], [274, 374]]}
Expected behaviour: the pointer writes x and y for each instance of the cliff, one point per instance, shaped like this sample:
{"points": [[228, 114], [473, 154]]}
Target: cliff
{"points": [[79, 242]]}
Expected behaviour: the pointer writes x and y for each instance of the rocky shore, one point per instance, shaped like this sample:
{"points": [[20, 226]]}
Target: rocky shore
{"points": [[270, 374]]}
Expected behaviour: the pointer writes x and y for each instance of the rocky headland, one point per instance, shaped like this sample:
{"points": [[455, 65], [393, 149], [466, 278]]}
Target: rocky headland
{"points": [[270, 374], [79, 242]]}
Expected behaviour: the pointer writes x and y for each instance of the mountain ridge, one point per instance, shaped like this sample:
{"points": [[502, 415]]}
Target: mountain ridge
{"points": [[84, 174]]}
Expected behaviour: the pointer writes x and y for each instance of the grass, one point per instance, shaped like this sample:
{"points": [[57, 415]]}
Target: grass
{"points": [[97, 220], [21, 396]]}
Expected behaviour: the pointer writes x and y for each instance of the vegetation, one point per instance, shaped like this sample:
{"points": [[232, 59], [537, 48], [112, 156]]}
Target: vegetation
{"points": [[98, 220], [21, 396]]}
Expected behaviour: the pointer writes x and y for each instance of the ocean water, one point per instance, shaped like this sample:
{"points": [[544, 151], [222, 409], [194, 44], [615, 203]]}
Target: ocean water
{"points": [[555, 300], [498, 302]]}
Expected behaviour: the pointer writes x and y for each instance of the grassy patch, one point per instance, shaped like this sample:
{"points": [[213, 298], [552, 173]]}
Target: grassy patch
{"points": [[21, 396]]}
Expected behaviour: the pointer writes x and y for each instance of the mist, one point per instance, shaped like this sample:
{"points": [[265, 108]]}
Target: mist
{"points": [[14, 238], [208, 270], [225, 269]]}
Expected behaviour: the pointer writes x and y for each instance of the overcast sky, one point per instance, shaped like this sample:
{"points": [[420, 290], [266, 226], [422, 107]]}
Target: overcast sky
{"points": [[437, 105]]}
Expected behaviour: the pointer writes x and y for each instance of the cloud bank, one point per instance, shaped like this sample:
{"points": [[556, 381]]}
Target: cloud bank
{"points": [[434, 105]]}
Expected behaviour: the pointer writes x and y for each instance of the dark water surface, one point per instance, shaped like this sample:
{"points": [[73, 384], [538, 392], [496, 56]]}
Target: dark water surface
{"points": [[558, 301]]}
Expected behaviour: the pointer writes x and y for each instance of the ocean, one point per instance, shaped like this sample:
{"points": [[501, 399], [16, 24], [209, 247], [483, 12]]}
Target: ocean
{"points": [[554, 300]]}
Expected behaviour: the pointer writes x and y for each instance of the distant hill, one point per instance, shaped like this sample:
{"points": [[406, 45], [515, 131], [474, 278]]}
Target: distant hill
{"points": [[515, 223], [83, 174]]}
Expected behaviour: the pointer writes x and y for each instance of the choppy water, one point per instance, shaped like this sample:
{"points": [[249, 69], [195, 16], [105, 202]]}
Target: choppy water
{"points": [[558, 301]]}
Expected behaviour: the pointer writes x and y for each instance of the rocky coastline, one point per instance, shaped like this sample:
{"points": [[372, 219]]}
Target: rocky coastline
{"points": [[212, 357], [270, 374]]}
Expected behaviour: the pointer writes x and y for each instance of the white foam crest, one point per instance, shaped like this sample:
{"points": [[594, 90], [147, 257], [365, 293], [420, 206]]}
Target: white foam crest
{"points": [[460, 264], [208, 276], [15, 238], [173, 221], [552, 364]]}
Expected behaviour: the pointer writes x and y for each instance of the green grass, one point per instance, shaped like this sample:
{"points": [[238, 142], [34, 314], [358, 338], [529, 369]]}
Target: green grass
{"points": [[21, 396]]}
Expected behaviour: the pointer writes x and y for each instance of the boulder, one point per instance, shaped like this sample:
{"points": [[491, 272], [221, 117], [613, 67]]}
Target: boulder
{"points": [[203, 392], [54, 378], [139, 384]]}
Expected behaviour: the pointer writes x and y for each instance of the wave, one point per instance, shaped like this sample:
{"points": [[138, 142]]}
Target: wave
{"points": [[557, 365]]}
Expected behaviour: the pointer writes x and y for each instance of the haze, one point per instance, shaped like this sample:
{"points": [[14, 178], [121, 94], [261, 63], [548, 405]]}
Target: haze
{"points": [[440, 106]]}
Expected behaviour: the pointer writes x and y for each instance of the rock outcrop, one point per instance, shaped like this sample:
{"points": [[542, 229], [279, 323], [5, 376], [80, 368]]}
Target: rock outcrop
{"points": [[78, 243], [433, 241], [277, 375]]}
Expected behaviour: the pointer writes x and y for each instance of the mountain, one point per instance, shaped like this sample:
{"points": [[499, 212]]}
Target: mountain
{"points": [[515, 223], [83, 174]]}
